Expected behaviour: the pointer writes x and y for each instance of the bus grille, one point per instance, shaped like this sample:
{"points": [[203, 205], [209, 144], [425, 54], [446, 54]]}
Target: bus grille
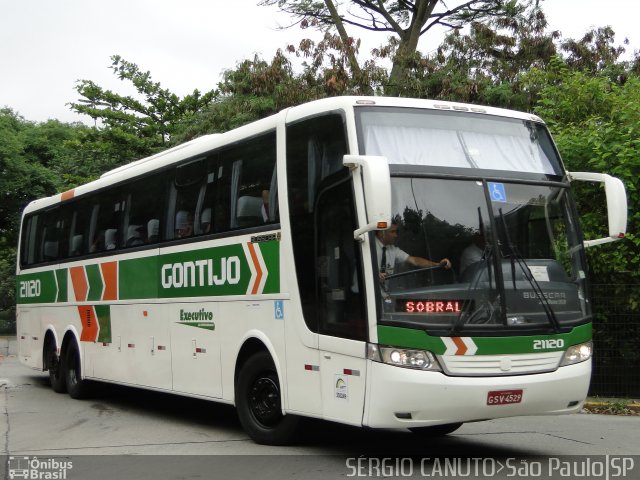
{"points": [[491, 365]]}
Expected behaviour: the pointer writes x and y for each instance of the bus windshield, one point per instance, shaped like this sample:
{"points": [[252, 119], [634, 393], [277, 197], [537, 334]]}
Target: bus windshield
{"points": [[516, 259]]}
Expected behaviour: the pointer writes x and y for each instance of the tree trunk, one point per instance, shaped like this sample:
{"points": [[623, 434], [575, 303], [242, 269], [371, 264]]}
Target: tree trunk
{"points": [[408, 45]]}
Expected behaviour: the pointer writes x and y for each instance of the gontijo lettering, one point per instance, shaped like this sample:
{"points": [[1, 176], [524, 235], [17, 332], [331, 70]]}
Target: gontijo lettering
{"points": [[201, 273]]}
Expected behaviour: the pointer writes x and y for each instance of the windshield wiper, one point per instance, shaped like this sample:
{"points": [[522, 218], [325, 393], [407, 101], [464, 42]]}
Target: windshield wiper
{"points": [[516, 257], [465, 315]]}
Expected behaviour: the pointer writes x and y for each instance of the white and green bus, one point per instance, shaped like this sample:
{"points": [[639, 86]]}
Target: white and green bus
{"points": [[243, 268]]}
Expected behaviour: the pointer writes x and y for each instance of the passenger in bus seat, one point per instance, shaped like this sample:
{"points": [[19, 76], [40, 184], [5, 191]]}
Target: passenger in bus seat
{"points": [[184, 224], [389, 256]]}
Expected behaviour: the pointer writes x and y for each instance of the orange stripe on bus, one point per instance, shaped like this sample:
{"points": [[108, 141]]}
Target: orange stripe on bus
{"points": [[68, 195], [254, 258], [79, 281], [89, 323], [110, 275], [462, 348]]}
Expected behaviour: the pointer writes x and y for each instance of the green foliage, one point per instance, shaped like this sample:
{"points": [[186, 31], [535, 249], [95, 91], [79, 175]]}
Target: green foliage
{"points": [[23, 177], [596, 125], [135, 126], [7, 275]]}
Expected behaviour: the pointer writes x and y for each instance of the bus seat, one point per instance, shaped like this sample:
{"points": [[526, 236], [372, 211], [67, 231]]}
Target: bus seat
{"points": [[249, 211], [50, 250], [110, 238], [76, 244], [153, 230], [205, 221]]}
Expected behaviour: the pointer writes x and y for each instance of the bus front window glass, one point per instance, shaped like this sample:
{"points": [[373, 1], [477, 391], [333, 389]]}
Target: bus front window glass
{"points": [[516, 261]]}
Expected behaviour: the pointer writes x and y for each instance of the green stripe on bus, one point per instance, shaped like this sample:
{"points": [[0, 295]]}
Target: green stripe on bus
{"points": [[36, 288], [271, 254], [61, 277], [419, 339], [103, 314], [208, 272], [95, 282], [227, 270], [137, 278]]}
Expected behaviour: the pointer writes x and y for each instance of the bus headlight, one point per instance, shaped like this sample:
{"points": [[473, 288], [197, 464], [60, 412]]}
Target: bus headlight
{"points": [[402, 357], [576, 354]]}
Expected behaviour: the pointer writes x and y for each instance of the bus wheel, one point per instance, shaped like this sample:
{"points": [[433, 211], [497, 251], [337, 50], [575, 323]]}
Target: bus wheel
{"points": [[258, 400], [76, 386], [56, 372], [436, 430]]}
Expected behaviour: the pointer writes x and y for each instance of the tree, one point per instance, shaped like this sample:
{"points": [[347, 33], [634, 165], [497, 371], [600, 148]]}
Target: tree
{"points": [[405, 21], [22, 178], [146, 123], [596, 125], [487, 64]]}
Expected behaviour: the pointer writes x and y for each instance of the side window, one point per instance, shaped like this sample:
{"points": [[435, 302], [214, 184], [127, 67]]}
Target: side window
{"points": [[187, 188], [78, 241], [28, 240], [145, 207], [253, 184], [106, 222], [209, 213], [338, 277], [315, 148], [47, 236]]}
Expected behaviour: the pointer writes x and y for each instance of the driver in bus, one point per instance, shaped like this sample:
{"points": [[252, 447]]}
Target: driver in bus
{"points": [[389, 255]]}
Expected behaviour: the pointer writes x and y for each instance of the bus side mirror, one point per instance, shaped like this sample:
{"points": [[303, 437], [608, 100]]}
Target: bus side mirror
{"points": [[374, 172], [616, 204]]}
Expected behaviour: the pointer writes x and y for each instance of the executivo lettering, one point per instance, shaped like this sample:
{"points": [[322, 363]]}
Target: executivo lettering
{"points": [[201, 273]]}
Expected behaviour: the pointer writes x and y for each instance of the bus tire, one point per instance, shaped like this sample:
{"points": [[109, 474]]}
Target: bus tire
{"points": [[56, 370], [436, 430], [76, 386], [259, 402]]}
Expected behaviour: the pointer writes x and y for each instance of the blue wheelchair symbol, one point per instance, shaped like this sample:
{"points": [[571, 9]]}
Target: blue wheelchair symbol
{"points": [[497, 192], [278, 309]]}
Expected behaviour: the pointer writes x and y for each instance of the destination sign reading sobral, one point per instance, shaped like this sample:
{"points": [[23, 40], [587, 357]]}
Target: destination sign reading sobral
{"points": [[238, 269]]}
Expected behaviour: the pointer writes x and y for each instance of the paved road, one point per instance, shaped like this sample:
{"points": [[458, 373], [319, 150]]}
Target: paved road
{"points": [[189, 438]]}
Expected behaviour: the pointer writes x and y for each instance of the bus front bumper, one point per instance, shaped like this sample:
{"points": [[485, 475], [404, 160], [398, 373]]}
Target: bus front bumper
{"points": [[405, 398]]}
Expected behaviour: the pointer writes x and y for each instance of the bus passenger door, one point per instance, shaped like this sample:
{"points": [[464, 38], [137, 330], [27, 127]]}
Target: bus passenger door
{"points": [[342, 322]]}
